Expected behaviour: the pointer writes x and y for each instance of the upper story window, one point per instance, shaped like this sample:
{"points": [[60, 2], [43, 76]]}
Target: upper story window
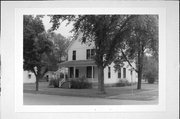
{"points": [[74, 55], [124, 72], [90, 53]]}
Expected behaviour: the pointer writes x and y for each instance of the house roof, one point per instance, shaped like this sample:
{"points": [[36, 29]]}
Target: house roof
{"points": [[73, 40], [77, 63], [70, 44]]}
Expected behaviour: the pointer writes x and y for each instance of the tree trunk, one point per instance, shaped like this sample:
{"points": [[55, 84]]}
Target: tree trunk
{"points": [[37, 83], [101, 79], [139, 78], [139, 66]]}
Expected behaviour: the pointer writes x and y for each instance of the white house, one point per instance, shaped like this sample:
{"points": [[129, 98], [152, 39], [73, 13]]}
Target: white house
{"points": [[29, 77], [81, 64]]}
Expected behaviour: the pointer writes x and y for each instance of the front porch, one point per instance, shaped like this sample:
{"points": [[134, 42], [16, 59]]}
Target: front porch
{"points": [[77, 69]]}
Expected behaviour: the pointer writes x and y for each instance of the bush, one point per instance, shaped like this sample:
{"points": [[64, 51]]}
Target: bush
{"points": [[122, 83], [80, 83], [150, 77], [151, 80], [54, 83]]}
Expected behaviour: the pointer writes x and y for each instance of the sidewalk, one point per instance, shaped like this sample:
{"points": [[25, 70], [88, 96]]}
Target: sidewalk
{"points": [[147, 93]]}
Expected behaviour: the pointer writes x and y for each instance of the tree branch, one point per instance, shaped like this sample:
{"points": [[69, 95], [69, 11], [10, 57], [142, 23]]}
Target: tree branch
{"points": [[128, 60]]}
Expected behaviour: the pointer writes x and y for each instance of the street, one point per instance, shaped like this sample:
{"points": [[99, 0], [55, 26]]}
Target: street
{"points": [[42, 99]]}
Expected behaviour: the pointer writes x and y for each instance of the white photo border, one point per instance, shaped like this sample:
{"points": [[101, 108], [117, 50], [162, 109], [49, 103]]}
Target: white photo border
{"points": [[19, 107]]}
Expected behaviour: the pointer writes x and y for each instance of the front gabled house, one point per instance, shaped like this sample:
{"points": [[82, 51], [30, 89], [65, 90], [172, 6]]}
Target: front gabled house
{"points": [[81, 64]]}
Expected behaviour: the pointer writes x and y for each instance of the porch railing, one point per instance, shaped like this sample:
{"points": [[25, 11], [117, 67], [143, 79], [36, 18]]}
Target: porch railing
{"points": [[61, 82]]}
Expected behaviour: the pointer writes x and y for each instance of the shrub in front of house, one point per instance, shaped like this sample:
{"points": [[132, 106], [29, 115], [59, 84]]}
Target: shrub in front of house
{"points": [[54, 83], [66, 84], [150, 76], [51, 83], [123, 82], [80, 83]]}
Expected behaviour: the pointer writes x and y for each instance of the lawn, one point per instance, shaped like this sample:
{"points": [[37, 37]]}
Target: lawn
{"points": [[148, 92]]}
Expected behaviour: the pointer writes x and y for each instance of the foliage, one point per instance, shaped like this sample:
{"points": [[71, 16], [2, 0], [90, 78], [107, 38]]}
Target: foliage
{"points": [[80, 83], [143, 36], [128, 35], [36, 46], [41, 49], [105, 30], [150, 77], [122, 83], [140, 39], [54, 83], [150, 69], [32, 28], [60, 44]]}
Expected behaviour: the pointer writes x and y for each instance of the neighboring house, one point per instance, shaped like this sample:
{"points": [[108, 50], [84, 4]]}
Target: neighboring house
{"points": [[81, 64], [29, 77], [52, 70], [61, 72], [48, 75]]}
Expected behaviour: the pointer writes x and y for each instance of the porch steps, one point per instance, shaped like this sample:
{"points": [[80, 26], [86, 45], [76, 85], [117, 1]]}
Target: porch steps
{"points": [[66, 85], [61, 82]]}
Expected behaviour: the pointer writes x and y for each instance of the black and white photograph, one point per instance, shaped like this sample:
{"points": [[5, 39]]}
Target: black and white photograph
{"points": [[90, 59]]}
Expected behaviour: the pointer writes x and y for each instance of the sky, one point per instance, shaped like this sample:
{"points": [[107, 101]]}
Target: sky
{"points": [[63, 29]]}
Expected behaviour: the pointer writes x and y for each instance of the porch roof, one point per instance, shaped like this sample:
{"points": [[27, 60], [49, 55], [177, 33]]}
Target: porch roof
{"points": [[77, 63]]}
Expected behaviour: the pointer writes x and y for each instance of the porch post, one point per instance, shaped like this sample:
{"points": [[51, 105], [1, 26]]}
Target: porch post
{"points": [[64, 75], [74, 71], [92, 73]]}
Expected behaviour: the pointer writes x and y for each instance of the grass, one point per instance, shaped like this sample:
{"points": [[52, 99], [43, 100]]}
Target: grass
{"points": [[148, 92]]}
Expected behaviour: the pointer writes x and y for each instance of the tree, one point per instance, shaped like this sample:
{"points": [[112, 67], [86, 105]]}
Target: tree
{"points": [[105, 31], [141, 39], [60, 43], [36, 47], [150, 67]]}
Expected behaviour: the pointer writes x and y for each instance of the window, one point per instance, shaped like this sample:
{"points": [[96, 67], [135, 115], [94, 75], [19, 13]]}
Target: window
{"points": [[89, 72], [109, 72], [47, 77], [119, 73], [29, 76], [71, 71], [74, 55], [77, 73], [124, 72], [90, 53], [131, 72]]}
